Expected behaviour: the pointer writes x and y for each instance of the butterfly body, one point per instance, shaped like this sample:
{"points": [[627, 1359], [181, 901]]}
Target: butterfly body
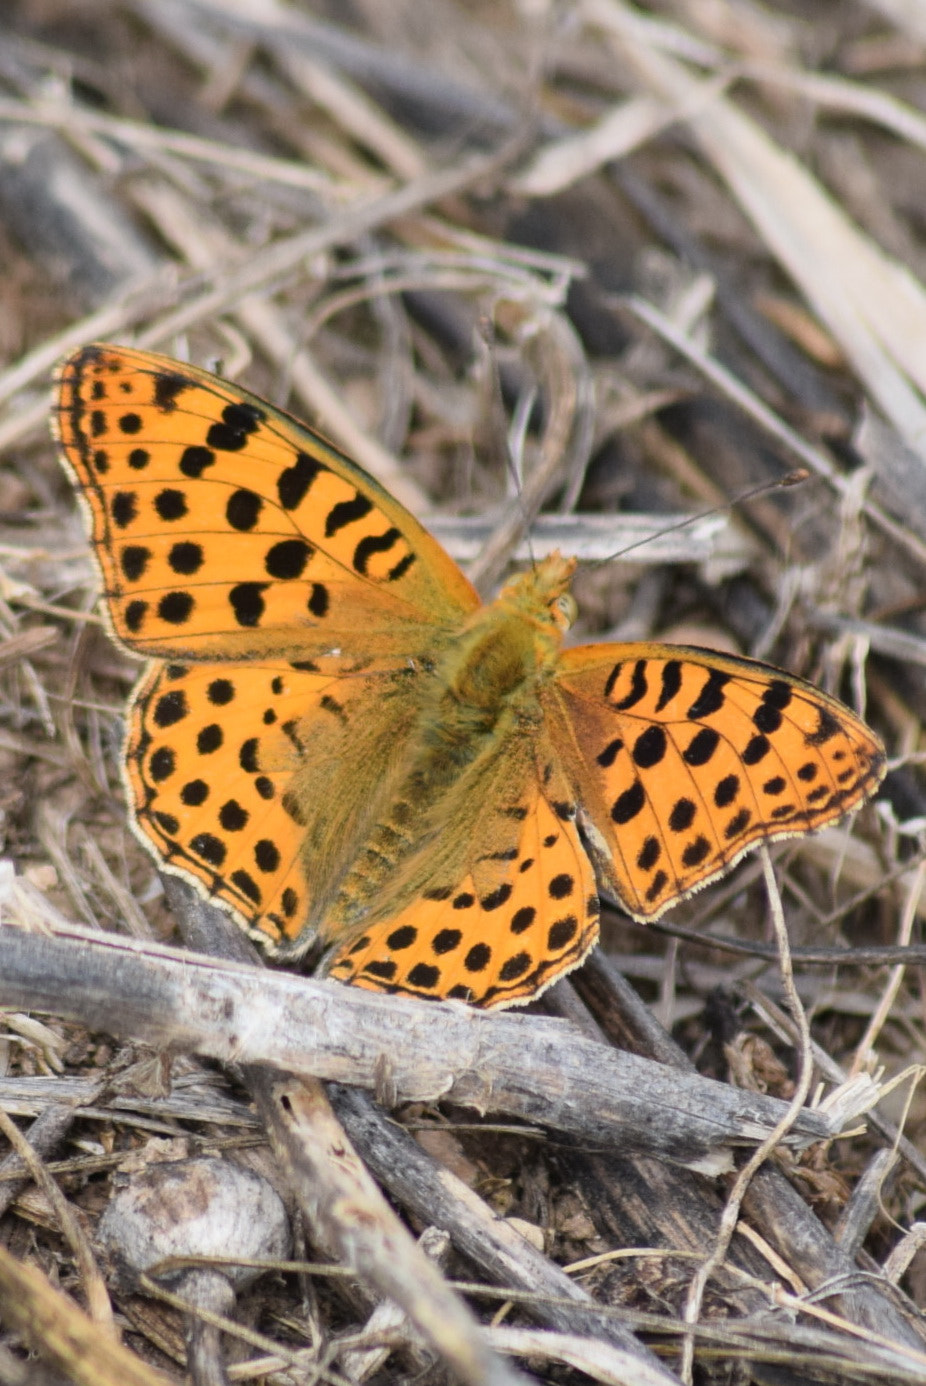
{"points": [[337, 740]]}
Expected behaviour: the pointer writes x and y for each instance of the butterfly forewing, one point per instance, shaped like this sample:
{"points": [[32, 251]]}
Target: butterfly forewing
{"points": [[686, 758], [225, 529]]}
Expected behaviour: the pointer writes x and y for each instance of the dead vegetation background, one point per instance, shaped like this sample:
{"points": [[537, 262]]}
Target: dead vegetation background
{"points": [[696, 229]]}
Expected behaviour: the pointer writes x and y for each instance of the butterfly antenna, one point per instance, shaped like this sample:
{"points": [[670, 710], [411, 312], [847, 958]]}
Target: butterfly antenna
{"points": [[793, 478]]}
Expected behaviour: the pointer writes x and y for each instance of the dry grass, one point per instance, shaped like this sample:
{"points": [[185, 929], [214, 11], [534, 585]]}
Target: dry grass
{"points": [[696, 230]]}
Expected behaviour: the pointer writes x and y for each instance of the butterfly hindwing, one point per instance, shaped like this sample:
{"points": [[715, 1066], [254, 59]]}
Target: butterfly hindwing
{"points": [[522, 912], [210, 764]]}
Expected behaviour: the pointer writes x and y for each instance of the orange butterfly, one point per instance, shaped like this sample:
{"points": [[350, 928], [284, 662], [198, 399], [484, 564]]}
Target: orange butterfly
{"points": [[336, 739]]}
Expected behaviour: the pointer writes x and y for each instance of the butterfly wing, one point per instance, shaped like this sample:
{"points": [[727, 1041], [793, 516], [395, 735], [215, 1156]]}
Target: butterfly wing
{"points": [[202, 798], [682, 759], [498, 912], [224, 529], [210, 761]]}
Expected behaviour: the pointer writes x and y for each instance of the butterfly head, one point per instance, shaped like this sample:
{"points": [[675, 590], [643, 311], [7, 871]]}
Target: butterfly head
{"points": [[543, 592]]}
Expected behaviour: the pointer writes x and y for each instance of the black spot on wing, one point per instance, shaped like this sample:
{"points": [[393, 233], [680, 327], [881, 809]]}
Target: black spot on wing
{"points": [[347, 512], [371, 545], [168, 387], [711, 698]]}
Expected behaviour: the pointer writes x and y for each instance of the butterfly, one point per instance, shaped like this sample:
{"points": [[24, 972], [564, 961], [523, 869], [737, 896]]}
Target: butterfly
{"points": [[338, 741]]}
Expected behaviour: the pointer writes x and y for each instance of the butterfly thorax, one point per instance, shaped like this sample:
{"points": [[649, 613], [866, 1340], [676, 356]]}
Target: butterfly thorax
{"points": [[481, 696], [507, 646]]}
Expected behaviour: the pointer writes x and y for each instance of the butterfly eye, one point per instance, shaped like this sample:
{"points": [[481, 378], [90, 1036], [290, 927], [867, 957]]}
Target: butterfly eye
{"points": [[565, 610]]}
